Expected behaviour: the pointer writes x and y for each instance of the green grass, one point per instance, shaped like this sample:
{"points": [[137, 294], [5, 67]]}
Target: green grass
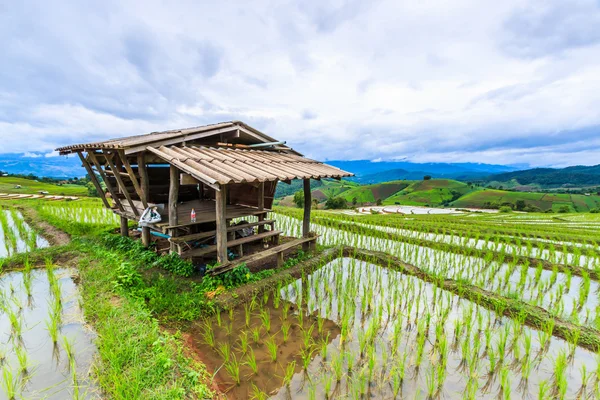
{"points": [[434, 192], [28, 186]]}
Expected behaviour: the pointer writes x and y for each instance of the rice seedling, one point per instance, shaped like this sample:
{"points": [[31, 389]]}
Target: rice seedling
{"points": [[10, 383], [258, 394], [285, 330], [208, 335], [251, 361], [232, 366], [243, 341], [272, 348], [265, 318], [21, 354], [68, 347], [225, 351], [289, 373], [256, 335]]}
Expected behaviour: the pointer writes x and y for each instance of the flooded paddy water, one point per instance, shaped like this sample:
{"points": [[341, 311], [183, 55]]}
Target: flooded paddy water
{"points": [[359, 330], [16, 236], [46, 350]]}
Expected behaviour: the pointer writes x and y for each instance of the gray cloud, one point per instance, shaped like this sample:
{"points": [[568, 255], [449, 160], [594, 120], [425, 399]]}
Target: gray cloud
{"points": [[352, 80]]}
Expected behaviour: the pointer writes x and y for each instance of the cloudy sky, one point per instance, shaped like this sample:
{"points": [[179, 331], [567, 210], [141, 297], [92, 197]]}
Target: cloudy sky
{"points": [[491, 81]]}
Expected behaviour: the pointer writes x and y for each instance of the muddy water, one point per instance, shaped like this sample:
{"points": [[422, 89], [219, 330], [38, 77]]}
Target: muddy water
{"points": [[411, 320], [48, 373], [270, 373], [16, 236]]}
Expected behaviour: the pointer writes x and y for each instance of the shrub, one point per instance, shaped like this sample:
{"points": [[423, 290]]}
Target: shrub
{"points": [[299, 198], [505, 209], [564, 209], [595, 211]]}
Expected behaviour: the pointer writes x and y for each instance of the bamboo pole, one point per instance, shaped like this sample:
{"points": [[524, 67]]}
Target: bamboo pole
{"points": [[133, 178], [261, 205]]}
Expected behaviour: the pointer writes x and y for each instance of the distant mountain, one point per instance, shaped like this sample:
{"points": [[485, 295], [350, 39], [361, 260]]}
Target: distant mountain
{"points": [[367, 171], [551, 177], [40, 165]]}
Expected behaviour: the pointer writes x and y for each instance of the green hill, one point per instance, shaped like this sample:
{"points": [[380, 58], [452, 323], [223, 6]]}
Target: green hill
{"points": [[544, 201], [434, 192], [371, 193], [8, 184]]}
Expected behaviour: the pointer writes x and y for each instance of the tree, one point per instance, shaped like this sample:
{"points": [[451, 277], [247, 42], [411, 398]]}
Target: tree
{"points": [[333, 203], [299, 198], [427, 177], [564, 209], [379, 202], [354, 201], [92, 192], [520, 205]]}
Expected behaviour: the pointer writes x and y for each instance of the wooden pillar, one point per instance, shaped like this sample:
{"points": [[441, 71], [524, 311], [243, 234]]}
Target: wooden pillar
{"points": [[307, 206], [220, 207], [145, 191], [173, 199], [261, 205], [124, 227]]}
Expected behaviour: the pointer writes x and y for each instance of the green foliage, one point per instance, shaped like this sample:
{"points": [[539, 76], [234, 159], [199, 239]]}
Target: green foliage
{"points": [[334, 203], [427, 177], [299, 198]]}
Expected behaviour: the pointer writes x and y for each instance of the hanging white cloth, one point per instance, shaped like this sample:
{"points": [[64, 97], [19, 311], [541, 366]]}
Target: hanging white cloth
{"points": [[149, 216]]}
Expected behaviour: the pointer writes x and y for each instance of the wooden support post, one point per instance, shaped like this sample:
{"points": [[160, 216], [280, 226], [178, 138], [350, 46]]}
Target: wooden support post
{"points": [[132, 177], [124, 227], [173, 200], [280, 259], [122, 185], [220, 207], [261, 205], [307, 206], [109, 186], [90, 172], [145, 191]]}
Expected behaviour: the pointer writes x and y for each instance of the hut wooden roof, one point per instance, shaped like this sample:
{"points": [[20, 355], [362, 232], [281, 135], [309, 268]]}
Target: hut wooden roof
{"points": [[222, 166], [137, 143]]}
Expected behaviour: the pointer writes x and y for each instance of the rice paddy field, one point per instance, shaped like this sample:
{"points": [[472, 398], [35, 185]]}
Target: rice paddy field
{"points": [[450, 306]]}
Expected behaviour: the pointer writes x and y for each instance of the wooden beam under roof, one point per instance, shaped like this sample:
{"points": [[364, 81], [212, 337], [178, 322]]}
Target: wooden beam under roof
{"points": [[108, 184], [121, 184], [93, 178]]}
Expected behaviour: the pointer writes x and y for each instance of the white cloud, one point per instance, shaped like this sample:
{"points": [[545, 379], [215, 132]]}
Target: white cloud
{"points": [[467, 80]]}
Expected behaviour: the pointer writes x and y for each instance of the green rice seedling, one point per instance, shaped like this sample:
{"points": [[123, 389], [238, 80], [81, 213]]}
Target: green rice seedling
{"points": [[306, 356], [300, 317], [337, 366], [289, 373], [15, 322], [327, 382], [265, 298], [265, 318], [10, 383], [218, 317], [285, 310], [74, 379], [258, 394], [228, 328], [247, 314], [231, 313], [243, 341], [285, 330], [52, 325], [276, 299], [251, 361], [225, 351], [307, 336], [320, 323], [68, 347], [256, 334], [21, 354], [208, 335], [543, 390], [349, 361], [232, 366], [272, 348]]}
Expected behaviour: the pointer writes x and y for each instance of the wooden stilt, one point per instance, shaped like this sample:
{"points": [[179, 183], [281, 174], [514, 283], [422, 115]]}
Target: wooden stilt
{"points": [[124, 227], [173, 200], [145, 191], [261, 205], [221, 204], [307, 206]]}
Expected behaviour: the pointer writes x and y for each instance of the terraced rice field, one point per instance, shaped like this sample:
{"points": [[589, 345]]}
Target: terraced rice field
{"points": [[16, 236], [420, 306]]}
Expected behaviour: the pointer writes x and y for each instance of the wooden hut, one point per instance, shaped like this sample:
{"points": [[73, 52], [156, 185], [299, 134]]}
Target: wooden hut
{"points": [[223, 172]]}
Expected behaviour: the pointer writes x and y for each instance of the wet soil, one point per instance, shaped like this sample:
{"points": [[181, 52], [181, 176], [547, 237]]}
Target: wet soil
{"points": [[270, 376]]}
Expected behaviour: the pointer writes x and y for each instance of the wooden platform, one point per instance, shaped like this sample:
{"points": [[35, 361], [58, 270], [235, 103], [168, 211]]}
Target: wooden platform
{"points": [[232, 243], [205, 235], [273, 251]]}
